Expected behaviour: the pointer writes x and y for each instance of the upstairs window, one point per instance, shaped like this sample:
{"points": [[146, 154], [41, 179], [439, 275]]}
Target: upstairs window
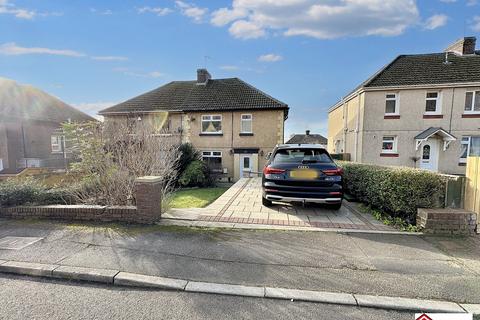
{"points": [[246, 123], [432, 103], [212, 124], [213, 159], [472, 102], [56, 143], [389, 144], [391, 103]]}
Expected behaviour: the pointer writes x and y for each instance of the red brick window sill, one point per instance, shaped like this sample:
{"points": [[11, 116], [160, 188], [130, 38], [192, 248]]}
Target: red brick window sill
{"points": [[433, 116], [391, 117], [472, 115], [389, 155]]}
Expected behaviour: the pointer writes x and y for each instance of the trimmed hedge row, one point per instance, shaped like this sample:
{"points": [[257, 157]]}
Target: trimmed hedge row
{"points": [[29, 191], [397, 190]]}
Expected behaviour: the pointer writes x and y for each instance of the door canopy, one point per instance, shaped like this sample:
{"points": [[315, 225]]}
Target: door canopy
{"points": [[434, 131]]}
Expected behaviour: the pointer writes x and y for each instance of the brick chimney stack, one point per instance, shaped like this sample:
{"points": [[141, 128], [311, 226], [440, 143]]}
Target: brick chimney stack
{"points": [[307, 132], [203, 76], [463, 46]]}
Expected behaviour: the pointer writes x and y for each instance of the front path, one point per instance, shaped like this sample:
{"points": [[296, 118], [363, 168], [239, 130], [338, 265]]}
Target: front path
{"points": [[242, 203]]}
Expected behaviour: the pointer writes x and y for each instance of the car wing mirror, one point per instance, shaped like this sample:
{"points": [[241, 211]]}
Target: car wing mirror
{"points": [[268, 156]]}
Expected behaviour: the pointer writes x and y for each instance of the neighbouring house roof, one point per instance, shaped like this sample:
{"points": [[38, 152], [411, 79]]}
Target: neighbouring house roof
{"points": [[25, 102], [432, 131], [309, 138], [214, 95]]}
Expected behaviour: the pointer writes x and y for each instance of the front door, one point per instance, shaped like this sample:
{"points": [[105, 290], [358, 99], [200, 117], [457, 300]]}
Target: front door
{"points": [[245, 165], [429, 155]]}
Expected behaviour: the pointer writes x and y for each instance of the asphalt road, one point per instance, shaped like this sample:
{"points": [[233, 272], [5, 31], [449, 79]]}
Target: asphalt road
{"points": [[27, 298]]}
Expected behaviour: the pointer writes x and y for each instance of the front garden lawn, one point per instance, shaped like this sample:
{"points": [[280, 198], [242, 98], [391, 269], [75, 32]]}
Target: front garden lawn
{"points": [[195, 198]]}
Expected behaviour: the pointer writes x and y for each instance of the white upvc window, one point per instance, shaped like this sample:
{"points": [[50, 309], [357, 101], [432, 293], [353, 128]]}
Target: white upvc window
{"points": [[246, 123], [433, 103], [470, 146], [56, 143], [211, 124], [213, 159], [472, 102], [389, 144], [392, 104]]}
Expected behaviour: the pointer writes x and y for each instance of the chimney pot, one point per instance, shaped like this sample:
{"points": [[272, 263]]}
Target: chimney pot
{"points": [[463, 46], [307, 132], [203, 76]]}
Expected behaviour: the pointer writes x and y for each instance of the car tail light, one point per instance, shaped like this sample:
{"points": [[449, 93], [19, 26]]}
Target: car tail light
{"points": [[333, 172], [269, 170], [335, 193]]}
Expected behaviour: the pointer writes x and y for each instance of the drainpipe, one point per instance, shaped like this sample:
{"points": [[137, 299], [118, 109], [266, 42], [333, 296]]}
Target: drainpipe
{"points": [[357, 126], [451, 111], [345, 115]]}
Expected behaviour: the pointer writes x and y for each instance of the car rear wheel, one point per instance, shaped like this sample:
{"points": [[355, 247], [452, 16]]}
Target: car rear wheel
{"points": [[335, 206], [266, 202]]}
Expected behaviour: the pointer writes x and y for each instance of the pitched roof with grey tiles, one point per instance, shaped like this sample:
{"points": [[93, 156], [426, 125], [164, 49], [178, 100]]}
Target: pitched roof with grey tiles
{"points": [[216, 95], [307, 139], [424, 69]]}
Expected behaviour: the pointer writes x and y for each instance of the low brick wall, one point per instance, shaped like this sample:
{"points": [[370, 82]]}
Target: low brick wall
{"points": [[446, 221], [148, 210]]}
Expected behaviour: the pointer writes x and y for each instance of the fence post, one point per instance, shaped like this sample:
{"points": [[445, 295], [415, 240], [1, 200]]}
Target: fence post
{"points": [[148, 197]]}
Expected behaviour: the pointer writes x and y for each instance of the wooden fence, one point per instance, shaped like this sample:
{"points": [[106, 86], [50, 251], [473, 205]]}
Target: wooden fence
{"points": [[472, 186]]}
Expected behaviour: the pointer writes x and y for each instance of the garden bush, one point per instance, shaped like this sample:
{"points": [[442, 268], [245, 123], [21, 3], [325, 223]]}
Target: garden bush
{"points": [[397, 190], [197, 174], [17, 192]]}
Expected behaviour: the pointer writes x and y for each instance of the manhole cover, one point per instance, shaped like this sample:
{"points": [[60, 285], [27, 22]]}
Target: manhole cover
{"points": [[17, 243]]}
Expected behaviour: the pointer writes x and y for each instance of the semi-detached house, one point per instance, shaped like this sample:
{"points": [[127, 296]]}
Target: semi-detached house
{"points": [[233, 124], [421, 110]]}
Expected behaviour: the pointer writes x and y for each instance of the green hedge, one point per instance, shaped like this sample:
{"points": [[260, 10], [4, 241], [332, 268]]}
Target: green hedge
{"points": [[397, 190], [17, 192]]}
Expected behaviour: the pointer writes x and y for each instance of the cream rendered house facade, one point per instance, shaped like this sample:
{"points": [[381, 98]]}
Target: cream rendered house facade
{"points": [[419, 111], [231, 123]]}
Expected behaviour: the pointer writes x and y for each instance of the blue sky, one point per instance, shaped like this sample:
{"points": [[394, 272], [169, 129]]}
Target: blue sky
{"points": [[306, 53]]}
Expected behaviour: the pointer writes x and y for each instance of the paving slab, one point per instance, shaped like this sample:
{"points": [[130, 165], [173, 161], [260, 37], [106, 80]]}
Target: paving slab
{"points": [[28, 268], [140, 280], [85, 274], [406, 304], [313, 296], [228, 289], [471, 308]]}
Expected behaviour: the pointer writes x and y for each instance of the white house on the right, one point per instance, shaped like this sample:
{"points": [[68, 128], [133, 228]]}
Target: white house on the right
{"points": [[421, 110]]}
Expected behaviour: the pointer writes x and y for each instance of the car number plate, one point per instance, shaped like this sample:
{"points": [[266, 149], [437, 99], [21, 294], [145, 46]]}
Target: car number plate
{"points": [[304, 174]]}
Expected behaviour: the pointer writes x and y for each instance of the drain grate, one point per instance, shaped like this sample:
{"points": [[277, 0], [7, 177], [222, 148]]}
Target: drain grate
{"points": [[17, 243]]}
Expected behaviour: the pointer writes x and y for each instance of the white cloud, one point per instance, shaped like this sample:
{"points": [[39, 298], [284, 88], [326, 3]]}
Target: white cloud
{"points": [[11, 49], [92, 108], [448, 1], [436, 21], [319, 19], [472, 3], [156, 10], [7, 7], [475, 25], [106, 12], [128, 72], [109, 58], [191, 11], [271, 57], [229, 68]]}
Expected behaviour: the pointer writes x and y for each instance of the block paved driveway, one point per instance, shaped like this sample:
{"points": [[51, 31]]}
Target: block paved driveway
{"points": [[242, 203]]}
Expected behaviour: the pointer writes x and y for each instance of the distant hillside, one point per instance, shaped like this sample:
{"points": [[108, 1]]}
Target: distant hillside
{"points": [[27, 102]]}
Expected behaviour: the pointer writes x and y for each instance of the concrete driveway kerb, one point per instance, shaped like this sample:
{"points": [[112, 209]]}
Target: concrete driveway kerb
{"points": [[119, 278]]}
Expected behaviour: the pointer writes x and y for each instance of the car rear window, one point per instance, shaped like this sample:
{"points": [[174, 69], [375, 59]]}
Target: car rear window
{"points": [[301, 155]]}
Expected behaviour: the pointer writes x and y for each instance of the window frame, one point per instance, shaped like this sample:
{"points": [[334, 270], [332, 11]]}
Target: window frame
{"points": [[394, 149], [438, 103], [210, 116], [397, 103], [242, 120], [211, 154], [58, 144], [472, 108], [465, 140]]}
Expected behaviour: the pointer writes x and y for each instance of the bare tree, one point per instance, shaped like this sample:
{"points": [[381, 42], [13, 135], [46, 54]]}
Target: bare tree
{"points": [[113, 154]]}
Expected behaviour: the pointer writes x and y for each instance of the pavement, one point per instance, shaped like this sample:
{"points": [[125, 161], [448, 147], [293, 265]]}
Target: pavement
{"points": [[242, 205], [36, 298], [407, 266]]}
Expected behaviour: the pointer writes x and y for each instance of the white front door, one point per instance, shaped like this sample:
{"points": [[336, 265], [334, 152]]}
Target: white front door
{"points": [[429, 155], [245, 165]]}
